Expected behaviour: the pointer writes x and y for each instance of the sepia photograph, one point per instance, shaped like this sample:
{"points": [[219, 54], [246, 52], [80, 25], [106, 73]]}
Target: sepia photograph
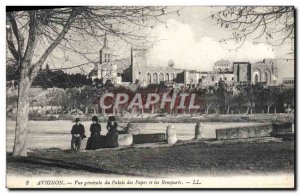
{"points": [[150, 97]]}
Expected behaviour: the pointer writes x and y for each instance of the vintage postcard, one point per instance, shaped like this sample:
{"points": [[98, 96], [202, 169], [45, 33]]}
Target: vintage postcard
{"points": [[144, 97]]}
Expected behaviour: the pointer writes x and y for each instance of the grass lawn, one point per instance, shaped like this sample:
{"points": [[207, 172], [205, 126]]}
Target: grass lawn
{"points": [[262, 155]]}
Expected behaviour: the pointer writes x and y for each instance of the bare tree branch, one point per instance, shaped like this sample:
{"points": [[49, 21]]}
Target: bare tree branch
{"points": [[271, 25]]}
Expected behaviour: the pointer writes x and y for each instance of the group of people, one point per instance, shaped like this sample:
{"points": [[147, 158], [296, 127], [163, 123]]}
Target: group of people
{"points": [[96, 140]]}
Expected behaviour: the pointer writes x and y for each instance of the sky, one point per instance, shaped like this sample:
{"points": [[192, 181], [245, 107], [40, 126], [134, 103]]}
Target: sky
{"points": [[191, 40]]}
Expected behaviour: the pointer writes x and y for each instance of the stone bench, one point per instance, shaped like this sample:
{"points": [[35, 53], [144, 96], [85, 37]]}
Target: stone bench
{"points": [[244, 132], [279, 128], [149, 138], [284, 131]]}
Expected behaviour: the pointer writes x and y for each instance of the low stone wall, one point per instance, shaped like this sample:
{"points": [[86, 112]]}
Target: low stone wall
{"points": [[149, 138], [244, 132], [284, 131], [279, 128]]}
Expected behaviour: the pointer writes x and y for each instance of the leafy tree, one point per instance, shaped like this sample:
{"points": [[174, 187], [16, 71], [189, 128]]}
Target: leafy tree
{"points": [[289, 100], [270, 96]]}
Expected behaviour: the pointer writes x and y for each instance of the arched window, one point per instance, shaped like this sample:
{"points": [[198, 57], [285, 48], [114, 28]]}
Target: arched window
{"points": [[161, 77], [172, 76], [256, 78], [167, 77], [267, 77], [149, 77], [155, 78]]}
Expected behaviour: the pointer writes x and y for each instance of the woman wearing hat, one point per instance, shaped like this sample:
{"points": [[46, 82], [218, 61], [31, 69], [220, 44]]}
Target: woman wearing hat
{"points": [[112, 134], [94, 142]]}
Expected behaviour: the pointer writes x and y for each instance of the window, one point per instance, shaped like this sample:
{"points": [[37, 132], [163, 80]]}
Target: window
{"points": [[167, 77], [161, 77], [172, 76], [155, 78], [255, 78], [266, 77], [149, 77]]}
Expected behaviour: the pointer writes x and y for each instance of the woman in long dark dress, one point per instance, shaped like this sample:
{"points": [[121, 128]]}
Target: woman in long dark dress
{"points": [[94, 142], [112, 134]]}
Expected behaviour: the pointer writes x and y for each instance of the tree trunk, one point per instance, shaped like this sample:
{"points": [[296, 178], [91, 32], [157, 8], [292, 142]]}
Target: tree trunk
{"points": [[28, 73], [20, 143], [228, 110], [275, 111], [248, 108], [268, 110]]}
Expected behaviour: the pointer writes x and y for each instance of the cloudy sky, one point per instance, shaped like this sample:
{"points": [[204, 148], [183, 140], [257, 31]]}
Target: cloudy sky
{"points": [[191, 40]]}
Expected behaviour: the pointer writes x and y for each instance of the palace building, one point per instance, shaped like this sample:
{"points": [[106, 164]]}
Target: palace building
{"points": [[232, 73], [145, 74]]}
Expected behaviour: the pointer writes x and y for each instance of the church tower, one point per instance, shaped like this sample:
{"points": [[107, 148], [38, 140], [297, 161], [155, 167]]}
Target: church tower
{"points": [[107, 68], [105, 52], [138, 64]]}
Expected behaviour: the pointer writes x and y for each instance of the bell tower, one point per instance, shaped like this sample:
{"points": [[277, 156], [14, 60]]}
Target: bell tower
{"points": [[107, 68], [138, 64], [105, 52]]}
